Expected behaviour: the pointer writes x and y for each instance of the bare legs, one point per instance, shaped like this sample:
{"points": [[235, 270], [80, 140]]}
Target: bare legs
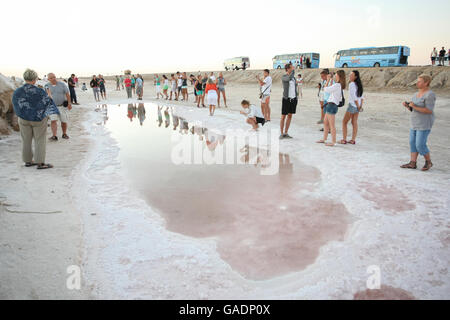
{"points": [[212, 108], [54, 127], [329, 125], [253, 123], [224, 99], [354, 118], [285, 128], [265, 108]]}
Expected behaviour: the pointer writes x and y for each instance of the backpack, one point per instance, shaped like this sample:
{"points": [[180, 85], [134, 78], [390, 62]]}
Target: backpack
{"points": [[342, 103]]}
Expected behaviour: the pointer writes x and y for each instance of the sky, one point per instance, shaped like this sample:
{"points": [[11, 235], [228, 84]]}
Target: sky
{"points": [[89, 37]]}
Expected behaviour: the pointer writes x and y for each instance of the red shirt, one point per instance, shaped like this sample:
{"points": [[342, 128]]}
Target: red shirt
{"points": [[127, 82], [211, 86]]}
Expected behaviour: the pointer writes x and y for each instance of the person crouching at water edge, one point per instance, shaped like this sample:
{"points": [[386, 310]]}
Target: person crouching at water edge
{"points": [[254, 114], [354, 108], [334, 101], [212, 96], [422, 120]]}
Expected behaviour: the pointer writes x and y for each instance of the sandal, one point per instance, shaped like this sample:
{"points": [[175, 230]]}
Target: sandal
{"points": [[352, 142], [30, 164], [343, 141], [65, 136], [42, 166], [427, 166], [410, 165], [54, 138]]}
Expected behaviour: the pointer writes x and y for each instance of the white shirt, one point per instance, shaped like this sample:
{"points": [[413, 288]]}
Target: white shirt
{"points": [[213, 78], [300, 81], [292, 85], [254, 111], [434, 53], [267, 87], [353, 90], [335, 92], [180, 82]]}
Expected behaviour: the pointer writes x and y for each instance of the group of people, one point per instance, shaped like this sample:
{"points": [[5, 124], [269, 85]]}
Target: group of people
{"points": [[206, 86], [440, 56], [133, 84], [98, 85]]}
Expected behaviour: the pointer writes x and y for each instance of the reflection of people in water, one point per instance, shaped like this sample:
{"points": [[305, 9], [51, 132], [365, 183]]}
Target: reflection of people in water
{"points": [[213, 139], [167, 116], [105, 113], [141, 113], [255, 156], [160, 119], [285, 164], [184, 128], [175, 120], [130, 112]]}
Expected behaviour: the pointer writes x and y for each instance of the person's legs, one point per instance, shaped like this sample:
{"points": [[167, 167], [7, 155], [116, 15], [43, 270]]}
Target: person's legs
{"points": [[421, 142], [40, 141], [54, 126], [283, 119], [322, 115], [345, 121], [355, 126], [288, 123], [263, 109], [267, 108], [253, 123], [331, 120], [413, 145], [64, 127], [225, 98], [26, 132], [326, 126]]}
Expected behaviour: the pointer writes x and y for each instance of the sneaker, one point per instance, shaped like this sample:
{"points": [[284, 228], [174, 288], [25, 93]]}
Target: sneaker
{"points": [[282, 137], [54, 138], [286, 136]]}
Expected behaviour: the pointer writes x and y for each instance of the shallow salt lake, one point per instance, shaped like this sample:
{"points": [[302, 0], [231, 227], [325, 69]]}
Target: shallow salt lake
{"points": [[208, 184]]}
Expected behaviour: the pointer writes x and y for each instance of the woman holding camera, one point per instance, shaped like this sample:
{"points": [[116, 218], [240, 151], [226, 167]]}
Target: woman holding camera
{"points": [[422, 119]]}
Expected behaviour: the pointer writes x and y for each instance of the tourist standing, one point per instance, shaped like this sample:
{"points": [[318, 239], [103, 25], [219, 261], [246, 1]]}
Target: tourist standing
{"points": [[102, 86], [72, 84], [422, 120], [59, 93], [166, 86], [331, 108], [32, 105], [300, 85], [211, 91], [133, 84], [139, 87], [442, 57], [122, 79], [433, 56], [173, 87], [179, 85], [117, 83], [354, 108], [127, 83], [289, 103], [198, 87], [221, 83], [95, 88], [266, 89], [157, 83], [184, 87]]}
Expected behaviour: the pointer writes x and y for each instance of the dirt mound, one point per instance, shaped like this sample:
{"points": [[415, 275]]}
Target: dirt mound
{"points": [[7, 115]]}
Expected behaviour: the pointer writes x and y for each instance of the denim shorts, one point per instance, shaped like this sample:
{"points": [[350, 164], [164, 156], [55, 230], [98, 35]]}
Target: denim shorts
{"points": [[331, 108], [352, 109]]}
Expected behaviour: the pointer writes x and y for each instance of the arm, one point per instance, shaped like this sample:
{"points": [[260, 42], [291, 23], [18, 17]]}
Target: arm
{"points": [[69, 106], [333, 88], [429, 105]]}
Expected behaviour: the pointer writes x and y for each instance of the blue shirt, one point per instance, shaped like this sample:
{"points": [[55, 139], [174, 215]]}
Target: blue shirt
{"points": [[32, 103]]}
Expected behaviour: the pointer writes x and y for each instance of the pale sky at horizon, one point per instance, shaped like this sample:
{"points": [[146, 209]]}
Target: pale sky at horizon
{"points": [[87, 37]]}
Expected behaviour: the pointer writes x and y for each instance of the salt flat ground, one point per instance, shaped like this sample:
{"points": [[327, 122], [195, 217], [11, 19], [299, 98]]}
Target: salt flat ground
{"points": [[399, 218]]}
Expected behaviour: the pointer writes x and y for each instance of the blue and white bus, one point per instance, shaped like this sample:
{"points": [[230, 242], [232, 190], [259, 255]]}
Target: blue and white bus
{"points": [[373, 57], [281, 60]]}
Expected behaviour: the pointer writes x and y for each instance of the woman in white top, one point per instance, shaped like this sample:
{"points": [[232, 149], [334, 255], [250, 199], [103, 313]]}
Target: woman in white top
{"points": [[331, 108], [266, 88], [354, 108]]}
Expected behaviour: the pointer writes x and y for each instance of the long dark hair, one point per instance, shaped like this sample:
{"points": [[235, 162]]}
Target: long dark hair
{"points": [[358, 84]]}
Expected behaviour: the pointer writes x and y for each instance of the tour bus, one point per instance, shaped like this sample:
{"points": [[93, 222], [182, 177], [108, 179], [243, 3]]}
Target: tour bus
{"points": [[237, 63], [281, 60], [373, 57]]}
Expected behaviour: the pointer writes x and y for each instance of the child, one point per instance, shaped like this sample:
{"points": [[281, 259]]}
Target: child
{"points": [[84, 87], [253, 113]]}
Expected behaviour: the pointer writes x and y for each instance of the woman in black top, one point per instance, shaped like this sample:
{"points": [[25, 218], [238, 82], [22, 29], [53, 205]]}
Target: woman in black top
{"points": [[199, 90]]}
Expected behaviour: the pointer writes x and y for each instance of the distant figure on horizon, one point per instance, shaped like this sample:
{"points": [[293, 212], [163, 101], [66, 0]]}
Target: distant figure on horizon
{"points": [[127, 82], [300, 85], [433, 56], [173, 87], [442, 57], [198, 88], [184, 87], [102, 86], [166, 86], [72, 84], [422, 120], [157, 83], [117, 83], [139, 87]]}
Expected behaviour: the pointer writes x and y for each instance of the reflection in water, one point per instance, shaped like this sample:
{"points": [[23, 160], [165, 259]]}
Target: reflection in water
{"points": [[265, 226], [141, 113]]}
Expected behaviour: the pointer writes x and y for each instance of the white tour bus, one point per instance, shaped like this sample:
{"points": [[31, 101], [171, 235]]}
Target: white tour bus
{"points": [[237, 63]]}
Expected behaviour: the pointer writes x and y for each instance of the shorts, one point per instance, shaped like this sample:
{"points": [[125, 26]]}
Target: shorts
{"points": [[264, 98], [289, 106], [179, 89], [174, 89], [221, 89], [352, 109], [212, 98], [63, 115], [139, 90], [331, 108], [166, 87], [184, 87], [199, 92], [102, 89], [433, 58], [260, 120]]}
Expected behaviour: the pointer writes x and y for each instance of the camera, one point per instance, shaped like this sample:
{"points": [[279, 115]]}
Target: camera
{"points": [[407, 105]]}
